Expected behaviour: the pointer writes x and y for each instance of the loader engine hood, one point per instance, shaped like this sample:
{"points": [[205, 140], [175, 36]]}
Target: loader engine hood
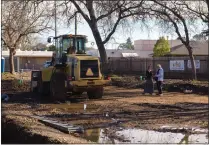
{"points": [[87, 67]]}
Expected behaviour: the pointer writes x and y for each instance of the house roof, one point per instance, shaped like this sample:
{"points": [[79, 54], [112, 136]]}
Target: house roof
{"points": [[176, 47], [29, 53], [199, 48], [148, 45]]}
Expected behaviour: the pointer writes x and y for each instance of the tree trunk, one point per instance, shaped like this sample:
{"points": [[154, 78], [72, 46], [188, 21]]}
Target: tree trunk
{"points": [[100, 45], [194, 75], [11, 61]]}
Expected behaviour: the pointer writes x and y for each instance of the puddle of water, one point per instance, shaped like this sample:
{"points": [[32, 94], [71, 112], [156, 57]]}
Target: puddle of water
{"points": [[92, 134], [192, 129], [141, 136]]}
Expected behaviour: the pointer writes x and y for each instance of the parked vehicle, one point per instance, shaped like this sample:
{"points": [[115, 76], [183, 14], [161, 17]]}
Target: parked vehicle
{"points": [[47, 64]]}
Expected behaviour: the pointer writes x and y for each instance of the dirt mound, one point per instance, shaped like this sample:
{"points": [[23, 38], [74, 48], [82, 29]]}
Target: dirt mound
{"points": [[128, 82], [13, 83], [198, 87], [10, 126]]}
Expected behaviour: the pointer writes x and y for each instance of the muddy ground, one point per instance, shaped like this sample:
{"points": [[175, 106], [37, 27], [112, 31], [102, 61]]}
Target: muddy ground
{"points": [[120, 106]]}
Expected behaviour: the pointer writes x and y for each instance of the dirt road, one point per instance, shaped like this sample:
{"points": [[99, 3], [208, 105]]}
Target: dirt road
{"points": [[127, 106]]}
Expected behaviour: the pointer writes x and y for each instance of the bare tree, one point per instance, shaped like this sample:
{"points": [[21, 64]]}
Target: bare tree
{"points": [[175, 15], [104, 17], [200, 9], [20, 20], [199, 37]]}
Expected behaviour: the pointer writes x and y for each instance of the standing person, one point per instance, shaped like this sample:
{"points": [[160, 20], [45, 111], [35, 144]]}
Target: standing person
{"points": [[53, 59], [149, 86], [71, 50], [159, 78]]}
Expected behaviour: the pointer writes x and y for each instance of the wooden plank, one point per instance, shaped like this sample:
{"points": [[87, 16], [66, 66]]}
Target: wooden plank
{"points": [[64, 127]]}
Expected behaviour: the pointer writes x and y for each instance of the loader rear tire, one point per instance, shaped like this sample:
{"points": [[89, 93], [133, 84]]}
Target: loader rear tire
{"points": [[96, 93], [58, 90], [40, 85], [43, 89], [77, 93]]}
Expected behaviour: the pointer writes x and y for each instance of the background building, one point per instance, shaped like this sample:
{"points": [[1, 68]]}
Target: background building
{"points": [[145, 47], [27, 59]]}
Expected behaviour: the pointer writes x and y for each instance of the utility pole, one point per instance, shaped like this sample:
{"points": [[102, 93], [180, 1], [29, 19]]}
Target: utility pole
{"points": [[55, 17], [55, 27], [76, 31]]}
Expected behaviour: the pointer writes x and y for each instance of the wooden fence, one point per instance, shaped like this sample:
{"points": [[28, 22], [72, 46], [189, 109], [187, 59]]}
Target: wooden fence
{"points": [[138, 66]]}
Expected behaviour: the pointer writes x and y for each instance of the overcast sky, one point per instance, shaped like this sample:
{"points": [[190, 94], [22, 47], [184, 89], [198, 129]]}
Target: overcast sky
{"points": [[120, 36]]}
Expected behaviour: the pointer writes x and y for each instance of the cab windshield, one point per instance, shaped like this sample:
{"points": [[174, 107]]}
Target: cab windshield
{"points": [[69, 42]]}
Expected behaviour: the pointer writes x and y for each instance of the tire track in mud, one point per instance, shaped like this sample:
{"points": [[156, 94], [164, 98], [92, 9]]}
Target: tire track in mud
{"points": [[121, 103]]}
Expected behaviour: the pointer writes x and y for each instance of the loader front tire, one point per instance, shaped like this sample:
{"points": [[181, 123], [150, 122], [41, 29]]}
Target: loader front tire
{"points": [[96, 93], [58, 89]]}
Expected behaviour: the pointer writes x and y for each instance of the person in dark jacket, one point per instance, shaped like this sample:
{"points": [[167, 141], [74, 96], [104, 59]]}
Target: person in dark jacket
{"points": [[149, 86]]}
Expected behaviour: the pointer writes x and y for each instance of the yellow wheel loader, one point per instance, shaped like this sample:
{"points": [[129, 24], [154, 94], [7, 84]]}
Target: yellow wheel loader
{"points": [[71, 71]]}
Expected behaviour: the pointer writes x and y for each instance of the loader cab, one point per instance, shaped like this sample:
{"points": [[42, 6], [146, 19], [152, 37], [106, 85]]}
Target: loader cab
{"points": [[68, 45]]}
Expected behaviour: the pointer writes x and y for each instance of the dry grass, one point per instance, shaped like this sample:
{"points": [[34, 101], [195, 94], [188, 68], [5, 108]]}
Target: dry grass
{"points": [[11, 83]]}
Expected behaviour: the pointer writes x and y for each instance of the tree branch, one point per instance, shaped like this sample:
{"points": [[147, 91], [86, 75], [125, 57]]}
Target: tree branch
{"points": [[200, 14], [80, 11], [120, 17], [175, 25], [177, 15], [107, 14], [113, 30]]}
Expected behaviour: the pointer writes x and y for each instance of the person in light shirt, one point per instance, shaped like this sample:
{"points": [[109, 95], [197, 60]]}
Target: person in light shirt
{"points": [[159, 78]]}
